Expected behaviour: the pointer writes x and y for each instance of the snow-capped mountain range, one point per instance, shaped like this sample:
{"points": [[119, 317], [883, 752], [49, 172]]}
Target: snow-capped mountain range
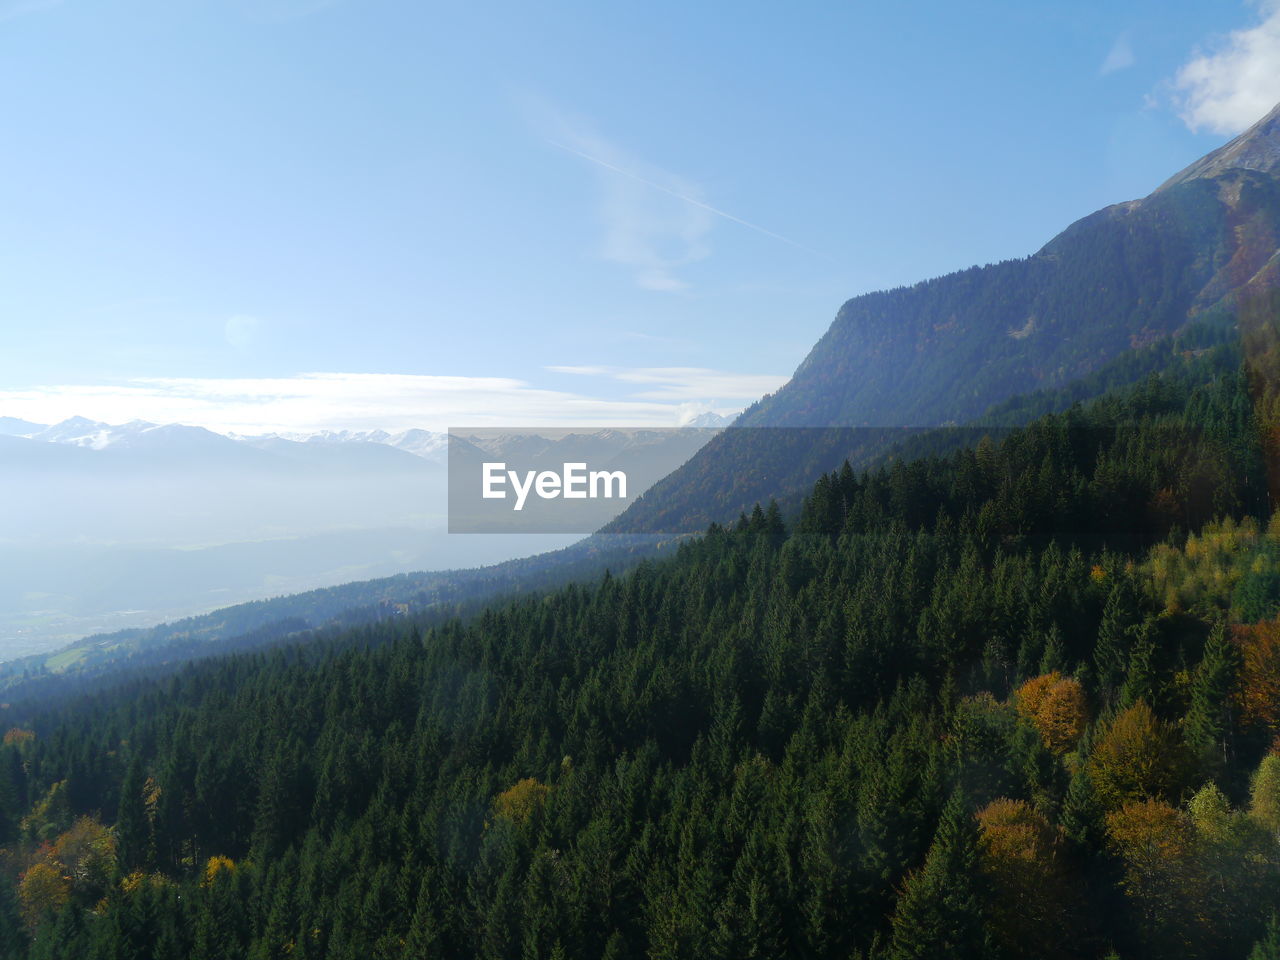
{"points": [[82, 432], [141, 434]]}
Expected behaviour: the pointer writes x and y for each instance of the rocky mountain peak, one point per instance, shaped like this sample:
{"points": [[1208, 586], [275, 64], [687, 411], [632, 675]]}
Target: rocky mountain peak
{"points": [[1258, 148]]}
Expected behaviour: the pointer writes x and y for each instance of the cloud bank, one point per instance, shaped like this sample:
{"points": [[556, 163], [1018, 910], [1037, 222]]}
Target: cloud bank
{"points": [[362, 401]]}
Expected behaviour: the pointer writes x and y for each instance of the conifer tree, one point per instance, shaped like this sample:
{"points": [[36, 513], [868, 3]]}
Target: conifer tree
{"points": [[1207, 726], [133, 827], [1119, 616], [939, 913]]}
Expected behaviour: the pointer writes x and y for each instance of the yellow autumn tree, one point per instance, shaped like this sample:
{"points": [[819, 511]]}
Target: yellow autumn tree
{"points": [[1137, 758], [87, 853], [216, 866], [1264, 795], [43, 890], [520, 802], [1202, 575], [1057, 706]]}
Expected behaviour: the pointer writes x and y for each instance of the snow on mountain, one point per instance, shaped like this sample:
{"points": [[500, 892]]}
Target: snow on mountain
{"points": [[425, 444], [710, 419], [13, 427]]}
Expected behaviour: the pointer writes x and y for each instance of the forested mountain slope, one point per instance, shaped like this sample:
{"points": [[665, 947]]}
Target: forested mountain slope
{"points": [[437, 596], [946, 350], [1010, 701], [779, 461]]}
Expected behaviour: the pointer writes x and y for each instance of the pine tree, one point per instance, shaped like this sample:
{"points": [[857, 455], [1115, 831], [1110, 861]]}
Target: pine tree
{"points": [[1208, 724], [1140, 678], [940, 911], [1082, 812], [1119, 616], [133, 827]]}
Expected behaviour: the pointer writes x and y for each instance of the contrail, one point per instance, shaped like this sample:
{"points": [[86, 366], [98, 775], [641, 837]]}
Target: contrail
{"points": [[687, 199]]}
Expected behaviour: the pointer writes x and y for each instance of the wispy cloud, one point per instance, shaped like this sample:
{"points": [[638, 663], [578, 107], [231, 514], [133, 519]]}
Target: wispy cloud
{"points": [[1119, 57], [678, 384], [335, 401], [656, 223], [680, 196], [652, 232], [1235, 82]]}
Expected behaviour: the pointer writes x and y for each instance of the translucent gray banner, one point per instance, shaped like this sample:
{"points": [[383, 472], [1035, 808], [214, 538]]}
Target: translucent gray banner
{"points": [[557, 480]]}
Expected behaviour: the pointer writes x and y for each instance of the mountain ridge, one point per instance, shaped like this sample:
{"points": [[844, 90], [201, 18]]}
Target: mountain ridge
{"points": [[947, 349]]}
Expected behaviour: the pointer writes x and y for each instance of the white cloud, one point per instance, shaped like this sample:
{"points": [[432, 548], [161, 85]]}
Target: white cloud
{"points": [[582, 370], [680, 384], [1120, 57], [1237, 82], [241, 330], [358, 401]]}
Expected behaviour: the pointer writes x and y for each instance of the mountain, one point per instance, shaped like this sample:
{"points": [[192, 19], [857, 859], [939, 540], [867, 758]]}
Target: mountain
{"points": [[1133, 275], [421, 443], [344, 455], [710, 419], [140, 441], [990, 703], [14, 427], [426, 444], [105, 526], [1258, 149], [77, 431]]}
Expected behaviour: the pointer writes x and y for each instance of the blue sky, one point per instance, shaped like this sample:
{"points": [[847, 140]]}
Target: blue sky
{"points": [[295, 214]]}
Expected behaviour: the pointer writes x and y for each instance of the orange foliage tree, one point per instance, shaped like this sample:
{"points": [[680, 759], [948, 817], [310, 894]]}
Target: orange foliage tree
{"points": [[1056, 705], [18, 736], [1032, 896], [1259, 691]]}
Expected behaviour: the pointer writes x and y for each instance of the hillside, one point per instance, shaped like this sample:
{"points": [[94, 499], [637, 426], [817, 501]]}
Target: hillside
{"points": [[1010, 701]]}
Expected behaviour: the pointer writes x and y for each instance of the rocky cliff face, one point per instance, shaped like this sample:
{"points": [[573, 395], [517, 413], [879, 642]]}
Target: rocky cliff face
{"points": [[1258, 148]]}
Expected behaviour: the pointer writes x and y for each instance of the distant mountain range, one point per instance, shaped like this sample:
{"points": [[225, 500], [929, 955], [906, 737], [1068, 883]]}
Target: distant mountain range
{"points": [[142, 435], [428, 445], [104, 526]]}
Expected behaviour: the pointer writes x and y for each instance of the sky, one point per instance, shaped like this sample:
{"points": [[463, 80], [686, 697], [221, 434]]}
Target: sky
{"points": [[264, 215]]}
